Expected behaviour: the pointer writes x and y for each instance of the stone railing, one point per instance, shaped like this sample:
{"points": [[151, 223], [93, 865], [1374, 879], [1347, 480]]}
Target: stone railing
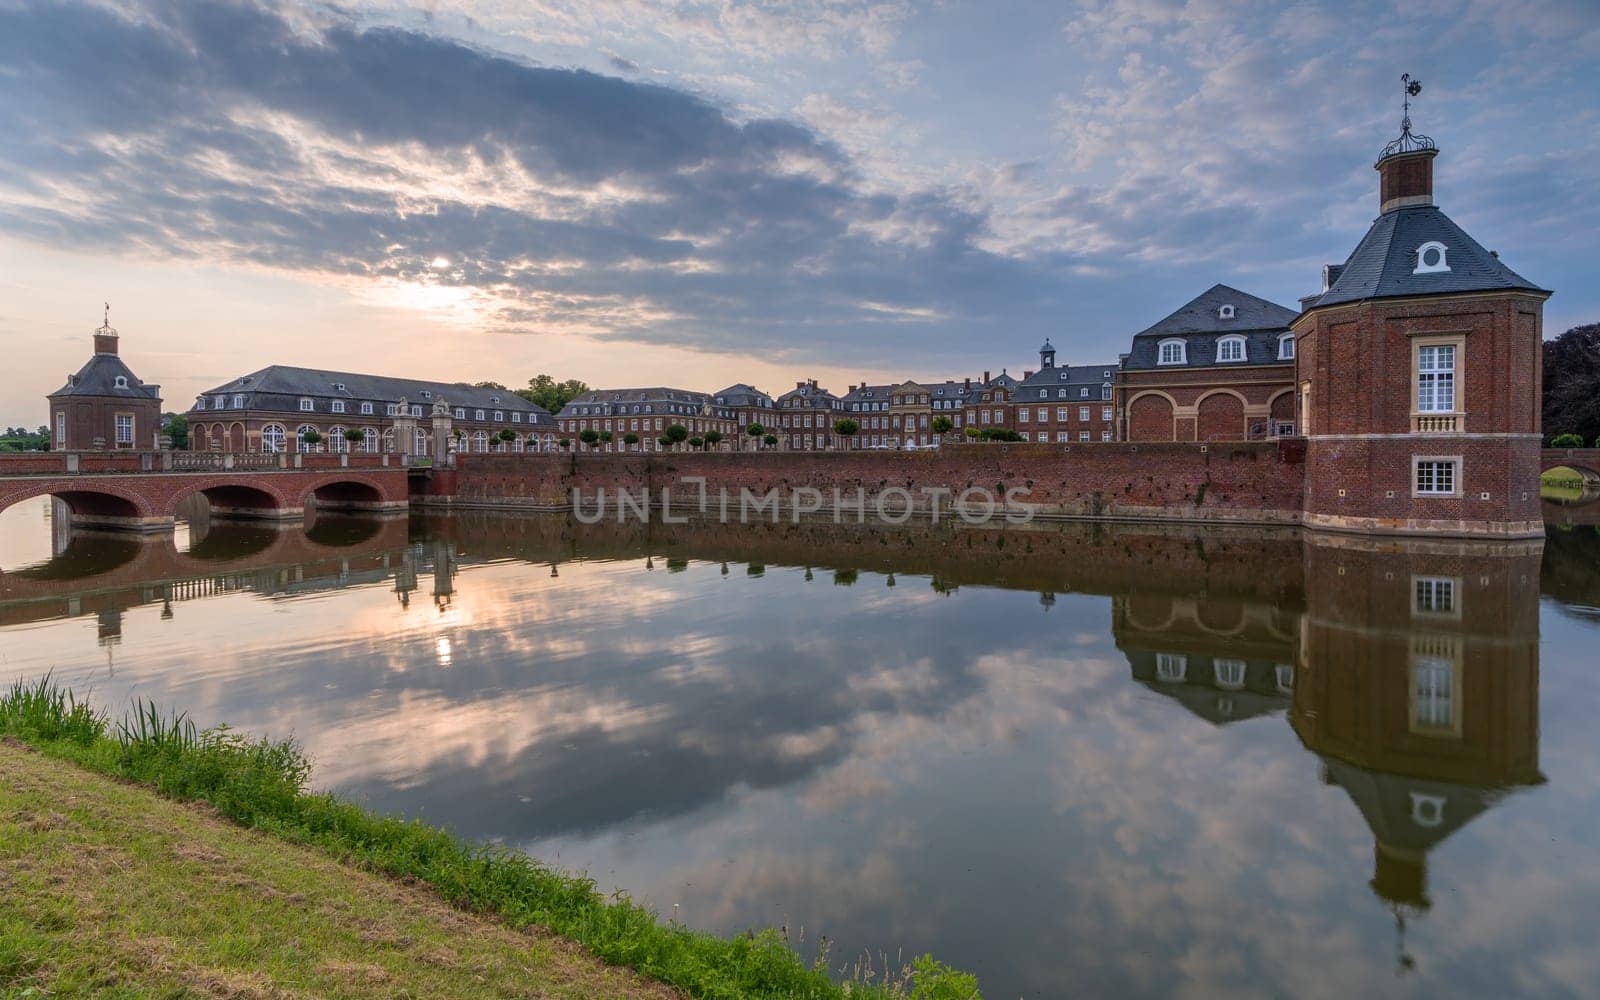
{"points": [[1437, 423]]}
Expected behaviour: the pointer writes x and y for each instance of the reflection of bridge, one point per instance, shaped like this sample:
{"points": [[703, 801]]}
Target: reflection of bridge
{"points": [[141, 491]]}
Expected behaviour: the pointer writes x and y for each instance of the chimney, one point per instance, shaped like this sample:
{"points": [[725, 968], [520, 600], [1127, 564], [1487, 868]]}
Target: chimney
{"points": [[1405, 179], [968, 384], [1026, 374], [985, 378], [105, 340]]}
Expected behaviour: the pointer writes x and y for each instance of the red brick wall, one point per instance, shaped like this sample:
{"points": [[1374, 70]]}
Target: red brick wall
{"points": [[1221, 418], [1150, 419], [1238, 481]]}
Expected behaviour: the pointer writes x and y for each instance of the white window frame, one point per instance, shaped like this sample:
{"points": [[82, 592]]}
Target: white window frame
{"points": [[1172, 668], [1433, 492], [1440, 266], [1286, 347], [1181, 352], [124, 428], [366, 409], [1432, 380], [274, 439], [1225, 347], [307, 406], [336, 406]]}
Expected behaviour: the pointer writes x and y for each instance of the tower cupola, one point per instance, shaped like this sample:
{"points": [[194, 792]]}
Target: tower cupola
{"points": [[1405, 168], [105, 338], [1047, 355]]}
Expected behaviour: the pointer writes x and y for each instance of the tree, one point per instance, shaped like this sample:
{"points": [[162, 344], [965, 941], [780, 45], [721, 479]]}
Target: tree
{"points": [[1572, 383], [664, 441], [712, 437], [1566, 441], [999, 434], [565, 443], [630, 439], [589, 437], [971, 433], [312, 438], [845, 427], [770, 440], [506, 436], [697, 442], [606, 437], [354, 435], [176, 427], [677, 433], [488, 385], [755, 430], [942, 425], [550, 394]]}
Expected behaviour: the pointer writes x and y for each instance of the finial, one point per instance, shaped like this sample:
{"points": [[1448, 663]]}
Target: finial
{"points": [[1407, 142], [108, 314]]}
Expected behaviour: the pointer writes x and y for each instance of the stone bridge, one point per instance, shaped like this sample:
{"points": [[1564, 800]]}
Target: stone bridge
{"points": [[141, 491], [1585, 460]]}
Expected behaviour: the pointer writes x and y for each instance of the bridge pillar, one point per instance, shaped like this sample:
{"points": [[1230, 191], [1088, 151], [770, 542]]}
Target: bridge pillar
{"points": [[285, 515], [112, 522]]}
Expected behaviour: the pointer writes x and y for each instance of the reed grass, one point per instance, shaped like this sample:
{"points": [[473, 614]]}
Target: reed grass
{"points": [[262, 783]]}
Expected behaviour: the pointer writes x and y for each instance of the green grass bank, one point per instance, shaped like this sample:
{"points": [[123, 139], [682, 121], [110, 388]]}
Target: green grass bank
{"points": [[531, 930]]}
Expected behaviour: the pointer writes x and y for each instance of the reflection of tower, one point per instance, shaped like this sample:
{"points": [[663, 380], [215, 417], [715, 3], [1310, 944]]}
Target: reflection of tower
{"points": [[444, 573], [1418, 687], [108, 633], [405, 575]]}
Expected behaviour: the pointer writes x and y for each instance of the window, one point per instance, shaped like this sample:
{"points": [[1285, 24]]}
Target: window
{"points": [[200, 403], [366, 409], [1172, 352], [1283, 676], [339, 386], [1171, 667], [124, 428], [416, 411], [1436, 477], [1229, 674], [300, 437], [1083, 413], [337, 406], [419, 442], [1061, 414], [516, 417], [306, 406], [461, 413], [1436, 378], [427, 394], [390, 409], [273, 438], [1083, 436], [1062, 437], [121, 381], [1431, 258], [1105, 413], [369, 439], [238, 402], [1434, 595], [494, 399], [1022, 415], [477, 414], [1230, 349], [1225, 312], [1105, 391], [336, 441], [480, 441], [61, 430], [1432, 694], [499, 415], [1286, 347], [1105, 435]]}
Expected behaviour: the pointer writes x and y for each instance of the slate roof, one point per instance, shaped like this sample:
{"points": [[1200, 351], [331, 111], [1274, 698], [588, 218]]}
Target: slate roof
{"points": [[810, 397], [867, 394], [659, 399], [1382, 264], [1200, 325], [745, 396], [1200, 692], [1077, 376], [98, 377], [281, 387]]}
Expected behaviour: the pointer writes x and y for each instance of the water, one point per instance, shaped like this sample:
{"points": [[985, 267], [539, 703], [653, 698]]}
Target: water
{"points": [[1072, 759]]}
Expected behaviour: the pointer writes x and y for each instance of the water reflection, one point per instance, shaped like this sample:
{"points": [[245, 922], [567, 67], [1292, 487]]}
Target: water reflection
{"points": [[1071, 758]]}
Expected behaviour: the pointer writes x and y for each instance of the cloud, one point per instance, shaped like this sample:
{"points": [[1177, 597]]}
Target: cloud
{"points": [[567, 201]]}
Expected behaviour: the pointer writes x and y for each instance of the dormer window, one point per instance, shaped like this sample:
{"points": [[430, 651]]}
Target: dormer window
{"points": [[1225, 312], [200, 403], [1230, 349], [238, 402], [1286, 347], [339, 386], [1431, 258], [492, 399], [1172, 352], [306, 406], [427, 394], [122, 382]]}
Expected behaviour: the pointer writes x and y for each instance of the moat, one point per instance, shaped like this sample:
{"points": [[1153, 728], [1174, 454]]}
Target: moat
{"points": [[1070, 758]]}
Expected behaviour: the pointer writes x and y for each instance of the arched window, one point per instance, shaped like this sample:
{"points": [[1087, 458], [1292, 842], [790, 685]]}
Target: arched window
{"points": [[369, 439], [1230, 349], [419, 442], [273, 438], [1229, 674], [336, 442], [238, 402], [1431, 258], [1286, 347], [388, 440], [122, 381], [480, 441], [1171, 667], [300, 437], [1172, 352]]}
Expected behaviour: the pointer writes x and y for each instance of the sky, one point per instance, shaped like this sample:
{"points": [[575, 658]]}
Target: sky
{"points": [[702, 192]]}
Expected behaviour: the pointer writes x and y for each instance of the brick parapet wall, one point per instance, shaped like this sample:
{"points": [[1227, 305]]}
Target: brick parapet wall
{"points": [[1256, 481]]}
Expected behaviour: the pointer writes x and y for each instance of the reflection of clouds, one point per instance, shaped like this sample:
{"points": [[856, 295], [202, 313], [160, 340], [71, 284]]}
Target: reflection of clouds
{"points": [[892, 768]]}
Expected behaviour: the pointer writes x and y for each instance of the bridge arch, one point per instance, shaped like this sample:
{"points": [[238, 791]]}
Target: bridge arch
{"points": [[236, 499], [89, 503]]}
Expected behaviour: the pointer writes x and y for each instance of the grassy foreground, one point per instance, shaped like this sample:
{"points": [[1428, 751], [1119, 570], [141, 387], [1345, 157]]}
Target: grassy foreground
{"points": [[106, 886]]}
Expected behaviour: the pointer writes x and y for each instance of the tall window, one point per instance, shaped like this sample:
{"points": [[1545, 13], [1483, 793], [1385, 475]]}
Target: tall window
{"points": [[1435, 595], [273, 438], [480, 441], [1171, 353], [300, 437], [369, 438], [1171, 667], [61, 430], [1436, 379], [336, 441], [1436, 477], [419, 442], [1229, 673], [124, 428], [1432, 694], [1286, 347], [238, 402], [1230, 349]]}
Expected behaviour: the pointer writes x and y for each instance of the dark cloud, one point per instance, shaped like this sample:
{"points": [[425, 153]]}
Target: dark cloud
{"points": [[633, 210]]}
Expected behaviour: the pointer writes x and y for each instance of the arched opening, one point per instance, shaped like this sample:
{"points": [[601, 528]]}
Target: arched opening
{"points": [[1220, 615], [236, 438], [225, 502], [346, 495], [1569, 485], [338, 530], [1221, 418], [1149, 612], [227, 540], [1150, 419]]}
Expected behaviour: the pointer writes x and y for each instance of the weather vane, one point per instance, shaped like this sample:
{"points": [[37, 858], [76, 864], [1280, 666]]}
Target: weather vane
{"points": [[1408, 142]]}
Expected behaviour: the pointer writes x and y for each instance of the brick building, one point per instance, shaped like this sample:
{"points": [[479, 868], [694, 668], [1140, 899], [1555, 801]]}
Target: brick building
{"points": [[868, 406], [271, 410], [1419, 367], [1219, 368], [1061, 404], [806, 414], [987, 404], [104, 405], [648, 412], [750, 406]]}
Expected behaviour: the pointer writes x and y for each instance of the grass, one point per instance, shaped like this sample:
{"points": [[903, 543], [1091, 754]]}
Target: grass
{"points": [[261, 784]]}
